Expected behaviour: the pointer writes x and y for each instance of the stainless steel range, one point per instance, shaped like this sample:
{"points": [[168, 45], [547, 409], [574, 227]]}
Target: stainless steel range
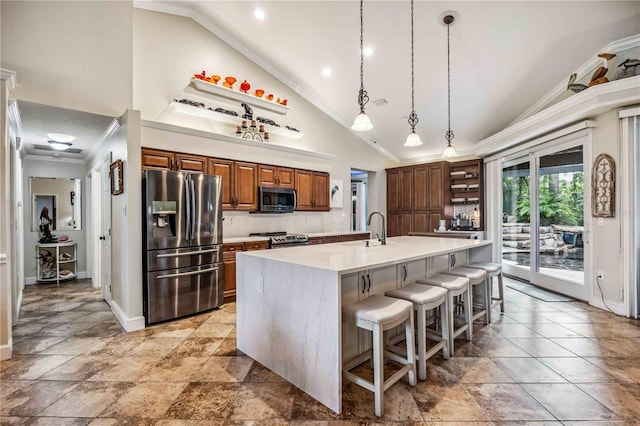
{"points": [[282, 239]]}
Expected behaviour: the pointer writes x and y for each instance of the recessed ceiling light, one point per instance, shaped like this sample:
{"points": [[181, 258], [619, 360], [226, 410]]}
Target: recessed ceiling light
{"points": [[326, 71], [259, 14], [368, 51], [59, 137], [60, 146]]}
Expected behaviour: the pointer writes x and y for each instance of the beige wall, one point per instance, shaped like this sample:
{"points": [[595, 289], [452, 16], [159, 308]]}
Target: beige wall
{"points": [[70, 54], [192, 48]]}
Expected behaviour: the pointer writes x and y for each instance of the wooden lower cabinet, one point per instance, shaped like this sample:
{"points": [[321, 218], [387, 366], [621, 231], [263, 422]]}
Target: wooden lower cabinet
{"points": [[355, 237], [229, 258], [399, 223], [316, 240], [425, 221], [332, 239]]}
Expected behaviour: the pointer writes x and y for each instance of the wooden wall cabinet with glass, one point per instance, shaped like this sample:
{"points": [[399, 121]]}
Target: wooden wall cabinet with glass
{"points": [[274, 176], [56, 262], [466, 187], [166, 160], [312, 190], [229, 251], [239, 183]]}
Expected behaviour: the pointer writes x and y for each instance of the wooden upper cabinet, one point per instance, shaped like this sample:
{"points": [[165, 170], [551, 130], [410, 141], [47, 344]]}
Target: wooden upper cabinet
{"points": [[400, 189], [239, 183], [225, 169], [437, 187], [156, 159], [321, 191], [165, 160], [190, 163], [421, 187], [406, 200], [246, 186], [312, 190], [393, 190], [273, 176]]}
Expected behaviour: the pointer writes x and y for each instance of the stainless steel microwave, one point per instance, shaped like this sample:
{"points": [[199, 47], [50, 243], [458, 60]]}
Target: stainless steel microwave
{"points": [[276, 200]]}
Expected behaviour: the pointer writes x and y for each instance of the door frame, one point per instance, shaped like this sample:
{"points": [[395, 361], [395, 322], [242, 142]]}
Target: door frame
{"points": [[105, 228], [579, 291]]}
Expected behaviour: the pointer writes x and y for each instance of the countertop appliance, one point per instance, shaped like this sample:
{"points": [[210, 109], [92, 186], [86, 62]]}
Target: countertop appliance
{"points": [[282, 239], [182, 244], [276, 200]]}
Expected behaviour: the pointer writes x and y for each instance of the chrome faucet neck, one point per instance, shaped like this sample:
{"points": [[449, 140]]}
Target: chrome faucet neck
{"points": [[382, 240]]}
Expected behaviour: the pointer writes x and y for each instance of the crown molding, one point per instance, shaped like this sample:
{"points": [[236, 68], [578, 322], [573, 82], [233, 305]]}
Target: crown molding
{"points": [[95, 148], [586, 69], [54, 159], [258, 59], [583, 105], [9, 77]]}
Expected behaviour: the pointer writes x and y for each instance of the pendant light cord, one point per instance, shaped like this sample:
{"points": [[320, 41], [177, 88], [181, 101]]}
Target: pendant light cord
{"points": [[363, 98], [449, 135], [413, 117]]}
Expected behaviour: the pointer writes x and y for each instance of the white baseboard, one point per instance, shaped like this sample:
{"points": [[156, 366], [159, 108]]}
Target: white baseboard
{"points": [[617, 308], [33, 280], [5, 352], [129, 324]]}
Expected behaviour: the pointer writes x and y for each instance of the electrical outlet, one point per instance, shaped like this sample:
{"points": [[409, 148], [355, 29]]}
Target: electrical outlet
{"points": [[601, 275], [261, 285], [621, 294]]}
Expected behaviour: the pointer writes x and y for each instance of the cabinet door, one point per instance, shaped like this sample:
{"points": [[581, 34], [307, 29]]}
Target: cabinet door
{"points": [[332, 239], [286, 177], [321, 191], [394, 225], [304, 187], [225, 169], [412, 271], [315, 240], [246, 186], [355, 237], [421, 187], [436, 188], [155, 159], [267, 176], [406, 200], [393, 190], [191, 163], [406, 223], [434, 219], [422, 221]]}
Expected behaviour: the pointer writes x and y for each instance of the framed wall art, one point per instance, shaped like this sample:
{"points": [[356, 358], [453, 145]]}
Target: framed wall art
{"points": [[336, 195], [115, 174], [603, 187]]}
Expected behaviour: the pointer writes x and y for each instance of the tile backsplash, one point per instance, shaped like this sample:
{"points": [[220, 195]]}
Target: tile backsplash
{"points": [[241, 224]]}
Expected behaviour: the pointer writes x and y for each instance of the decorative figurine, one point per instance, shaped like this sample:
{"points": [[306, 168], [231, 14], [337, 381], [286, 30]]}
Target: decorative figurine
{"points": [[45, 221], [244, 86], [575, 87], [270, 96], [248, 112], [228, 82], [259, 93], [215, 79]]}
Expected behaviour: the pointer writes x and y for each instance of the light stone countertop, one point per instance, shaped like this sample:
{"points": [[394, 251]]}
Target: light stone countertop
{"points": [[354, 256], [332, 233], [229, 240]]}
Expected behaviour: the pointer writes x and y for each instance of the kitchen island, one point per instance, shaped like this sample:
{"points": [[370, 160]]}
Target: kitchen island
{"points": [[289, 301]]}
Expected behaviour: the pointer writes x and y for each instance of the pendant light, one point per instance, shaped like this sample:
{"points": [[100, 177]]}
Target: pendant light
{"points": [[362, 122], [449, 151], [413, 139]]}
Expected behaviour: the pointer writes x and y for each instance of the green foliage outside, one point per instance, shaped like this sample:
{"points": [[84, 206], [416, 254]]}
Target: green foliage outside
{"points": [[561, 201]]}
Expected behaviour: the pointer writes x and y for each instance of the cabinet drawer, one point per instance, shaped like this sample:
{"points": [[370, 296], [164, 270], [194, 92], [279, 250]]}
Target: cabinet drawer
{"points": [[315, 240], [229, 250], [355, 237], [256, 245]]}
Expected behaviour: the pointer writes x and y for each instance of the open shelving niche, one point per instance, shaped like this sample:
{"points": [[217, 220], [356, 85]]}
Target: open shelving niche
{"points": [[55, 250], [236, 95]]}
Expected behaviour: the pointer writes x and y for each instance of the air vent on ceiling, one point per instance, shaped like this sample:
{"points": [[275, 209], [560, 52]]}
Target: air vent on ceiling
{"points": [[48, 148], [380, 102]]}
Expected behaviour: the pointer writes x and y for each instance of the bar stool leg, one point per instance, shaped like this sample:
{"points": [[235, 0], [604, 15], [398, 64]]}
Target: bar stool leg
{"points": [[468, 311], [378, 369], [409, 327], [450, 323], [501, 292], [444, 313], [422, 340]]}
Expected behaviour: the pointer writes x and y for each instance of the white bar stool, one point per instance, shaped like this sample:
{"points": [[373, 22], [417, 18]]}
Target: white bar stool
{"points": [[424, 298], [477, 277], [455, 286], [379, 314], [492, 270]]}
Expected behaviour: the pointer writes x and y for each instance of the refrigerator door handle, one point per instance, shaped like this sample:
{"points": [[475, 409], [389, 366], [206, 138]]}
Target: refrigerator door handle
{"points": [[188, 253], [184, 274], [187, 193], [193, 208]]}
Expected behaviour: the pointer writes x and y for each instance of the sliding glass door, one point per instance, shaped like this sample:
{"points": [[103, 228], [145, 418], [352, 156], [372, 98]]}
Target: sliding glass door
{"points": [[543, 229]]}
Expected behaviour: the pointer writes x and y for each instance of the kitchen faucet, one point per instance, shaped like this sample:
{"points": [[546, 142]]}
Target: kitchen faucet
{"points": [[382, 240]]}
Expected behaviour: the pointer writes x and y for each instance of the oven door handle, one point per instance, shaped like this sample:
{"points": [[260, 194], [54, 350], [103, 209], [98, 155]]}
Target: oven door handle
{"points": [[187, 253], [184, 274]]}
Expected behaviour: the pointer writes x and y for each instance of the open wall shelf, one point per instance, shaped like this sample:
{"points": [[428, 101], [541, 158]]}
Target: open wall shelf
{"points": [[236, 95]]}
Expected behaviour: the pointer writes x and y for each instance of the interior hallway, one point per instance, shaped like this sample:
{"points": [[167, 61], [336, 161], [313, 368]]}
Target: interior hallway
{"points": [[550, 363]]}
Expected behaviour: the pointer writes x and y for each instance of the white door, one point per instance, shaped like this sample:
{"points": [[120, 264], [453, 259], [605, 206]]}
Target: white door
{"points": [[105, 234], [96, 226]]}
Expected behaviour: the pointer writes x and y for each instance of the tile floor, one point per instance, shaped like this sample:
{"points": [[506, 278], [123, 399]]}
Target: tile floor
{"points": [[538, 364]]}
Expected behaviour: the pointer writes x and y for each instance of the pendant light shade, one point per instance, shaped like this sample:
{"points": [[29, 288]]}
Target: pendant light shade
{"points": [[449, 151], [413, 139], [362, 122]]}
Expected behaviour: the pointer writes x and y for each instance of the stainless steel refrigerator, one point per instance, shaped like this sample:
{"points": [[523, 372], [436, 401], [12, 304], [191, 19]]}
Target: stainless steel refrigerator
{"points": [[182, 242]]}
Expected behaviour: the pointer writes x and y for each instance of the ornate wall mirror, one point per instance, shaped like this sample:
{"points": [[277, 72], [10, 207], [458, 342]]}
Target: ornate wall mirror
{"points": [[56, 202], [116, 177]]}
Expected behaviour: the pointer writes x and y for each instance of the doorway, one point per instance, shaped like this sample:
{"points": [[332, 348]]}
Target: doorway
{"points": [[543, 226], [358, 200]]}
